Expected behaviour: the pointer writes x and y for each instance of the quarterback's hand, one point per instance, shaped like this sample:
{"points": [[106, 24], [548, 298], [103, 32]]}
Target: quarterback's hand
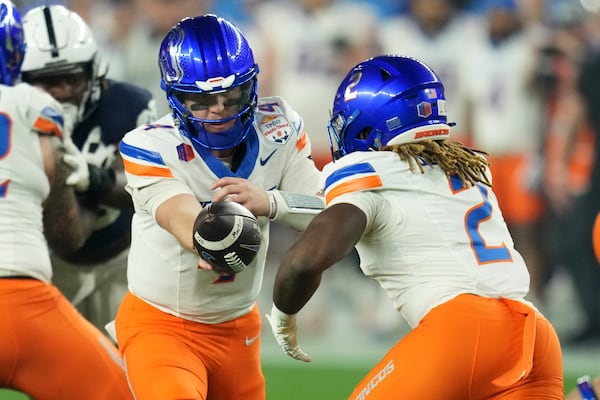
{"points": [[285, 331], [80, 177], [244, 192]]}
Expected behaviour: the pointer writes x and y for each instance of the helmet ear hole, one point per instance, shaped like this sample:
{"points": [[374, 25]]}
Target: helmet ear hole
{"points": [[364, 133]]}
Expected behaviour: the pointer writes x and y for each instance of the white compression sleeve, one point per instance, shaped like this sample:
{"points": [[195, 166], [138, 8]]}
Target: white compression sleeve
{"points": [[294, 209]]}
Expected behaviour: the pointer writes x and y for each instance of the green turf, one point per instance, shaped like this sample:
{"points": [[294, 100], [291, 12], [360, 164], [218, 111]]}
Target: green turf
{"points": [[302, 382]]}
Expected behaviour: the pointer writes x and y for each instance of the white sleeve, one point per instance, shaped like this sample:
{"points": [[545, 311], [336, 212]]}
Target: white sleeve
{"points": [[151, 197]]}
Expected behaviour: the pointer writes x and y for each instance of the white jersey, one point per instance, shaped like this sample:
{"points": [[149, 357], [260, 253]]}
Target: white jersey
{"points": [[160, 163], [427, 238], [24, 185]]}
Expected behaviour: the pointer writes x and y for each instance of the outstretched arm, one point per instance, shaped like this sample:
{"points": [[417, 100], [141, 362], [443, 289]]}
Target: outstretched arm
{"points": [[330, 236]]}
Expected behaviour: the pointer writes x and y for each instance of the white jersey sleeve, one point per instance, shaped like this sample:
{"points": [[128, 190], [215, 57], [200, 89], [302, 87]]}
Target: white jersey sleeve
{"points": [[25, 113], [428, 238], [160, 163]]}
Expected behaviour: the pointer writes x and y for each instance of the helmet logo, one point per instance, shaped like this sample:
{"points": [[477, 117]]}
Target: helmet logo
{"points": [[218, 82], [170, 55], [424, 109], [350, 93], [431, 93]]}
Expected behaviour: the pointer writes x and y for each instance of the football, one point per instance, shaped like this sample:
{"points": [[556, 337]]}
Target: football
{"points": [[227, 236]]}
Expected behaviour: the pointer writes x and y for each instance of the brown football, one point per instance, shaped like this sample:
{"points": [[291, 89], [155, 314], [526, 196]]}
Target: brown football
{"points": [[227, 236]]}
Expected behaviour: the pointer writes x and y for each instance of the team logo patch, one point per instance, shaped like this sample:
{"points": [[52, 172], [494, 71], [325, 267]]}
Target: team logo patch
{"points": [[424, 109], [169, 60], [185, 152], [431, 93], [276, 127]]}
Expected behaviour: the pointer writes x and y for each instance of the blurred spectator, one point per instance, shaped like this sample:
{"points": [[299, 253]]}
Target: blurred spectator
{"points": [[577, 209], [435, 31], [303, 47], [149, 21], [506, 118]]}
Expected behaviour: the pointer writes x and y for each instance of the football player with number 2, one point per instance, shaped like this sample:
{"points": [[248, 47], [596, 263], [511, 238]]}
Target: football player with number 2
{"points": [[186, 328], [422, 214], [47, 349]]}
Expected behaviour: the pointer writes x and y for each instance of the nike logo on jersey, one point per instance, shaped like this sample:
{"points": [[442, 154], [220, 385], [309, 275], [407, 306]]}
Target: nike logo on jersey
{"points": [[263, 161], [251, 340]]}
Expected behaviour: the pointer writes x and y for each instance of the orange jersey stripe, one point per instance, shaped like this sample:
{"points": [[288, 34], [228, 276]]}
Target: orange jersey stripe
{"points": [[146, 170], [368, 182], [301, 143], [45, 126]]}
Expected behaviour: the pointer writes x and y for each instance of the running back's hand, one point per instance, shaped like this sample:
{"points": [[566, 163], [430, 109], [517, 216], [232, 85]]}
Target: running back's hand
{"points": [[285, 331]]}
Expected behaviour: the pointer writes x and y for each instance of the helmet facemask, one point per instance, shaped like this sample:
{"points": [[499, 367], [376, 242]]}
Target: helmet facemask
{"points": [[243, 97]]}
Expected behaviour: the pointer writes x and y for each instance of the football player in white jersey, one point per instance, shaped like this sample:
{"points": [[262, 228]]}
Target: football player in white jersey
{"points": [[186, 331], [422, 214], [47, 349], [63, 59]]}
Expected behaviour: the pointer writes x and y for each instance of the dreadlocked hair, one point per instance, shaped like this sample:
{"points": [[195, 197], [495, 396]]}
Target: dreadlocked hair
{"points": [[453, 158]]}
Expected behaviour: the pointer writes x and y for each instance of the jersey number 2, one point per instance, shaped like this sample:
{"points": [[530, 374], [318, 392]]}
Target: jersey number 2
{"points": [[481, 212]]}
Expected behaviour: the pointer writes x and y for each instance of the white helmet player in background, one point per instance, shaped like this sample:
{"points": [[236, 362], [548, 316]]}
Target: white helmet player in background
{"points": [[60, 43]]}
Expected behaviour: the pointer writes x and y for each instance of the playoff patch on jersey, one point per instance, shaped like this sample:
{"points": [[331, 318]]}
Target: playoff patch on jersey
{"points": [[275, 127]]}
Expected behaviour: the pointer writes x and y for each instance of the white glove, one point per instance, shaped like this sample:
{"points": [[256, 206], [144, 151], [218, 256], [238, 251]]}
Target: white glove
{"points": [[80, 177], [285, 331]]}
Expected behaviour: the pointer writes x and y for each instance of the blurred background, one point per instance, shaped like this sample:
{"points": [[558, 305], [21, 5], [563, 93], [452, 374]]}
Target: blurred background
{"points": [[515, 73]]}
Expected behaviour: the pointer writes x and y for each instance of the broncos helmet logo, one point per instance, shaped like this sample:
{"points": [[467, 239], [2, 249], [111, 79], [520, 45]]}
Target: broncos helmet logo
{"points": [[170, 56]]}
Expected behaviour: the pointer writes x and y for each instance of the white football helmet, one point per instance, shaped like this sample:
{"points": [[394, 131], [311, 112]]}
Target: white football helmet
{"points": [[59, 42]]}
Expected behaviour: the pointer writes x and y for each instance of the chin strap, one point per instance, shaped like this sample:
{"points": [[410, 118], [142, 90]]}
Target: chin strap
{"points": [[294, 209]]}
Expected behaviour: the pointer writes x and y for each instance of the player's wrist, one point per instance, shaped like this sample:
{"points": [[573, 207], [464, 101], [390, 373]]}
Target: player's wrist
{"points": [[281, 318], [294, 209], [272, 204]]}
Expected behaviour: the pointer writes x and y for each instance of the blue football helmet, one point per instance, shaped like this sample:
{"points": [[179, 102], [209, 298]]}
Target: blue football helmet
{"points": [[12, 50], [207, 55], [387, 100]]}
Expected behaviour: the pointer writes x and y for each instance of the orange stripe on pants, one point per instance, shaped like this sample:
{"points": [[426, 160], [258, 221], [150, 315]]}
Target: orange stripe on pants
{"points": [[168, 357], [471, 348]]}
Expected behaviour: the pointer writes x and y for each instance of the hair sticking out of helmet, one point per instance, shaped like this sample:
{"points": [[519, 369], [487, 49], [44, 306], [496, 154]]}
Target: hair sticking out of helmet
{"points": [[12, 49], [387, 100], [208, 55], [59, 43]]}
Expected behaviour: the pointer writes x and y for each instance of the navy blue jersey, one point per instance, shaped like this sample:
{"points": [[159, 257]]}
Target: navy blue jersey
{"points": [[122, 107]]}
